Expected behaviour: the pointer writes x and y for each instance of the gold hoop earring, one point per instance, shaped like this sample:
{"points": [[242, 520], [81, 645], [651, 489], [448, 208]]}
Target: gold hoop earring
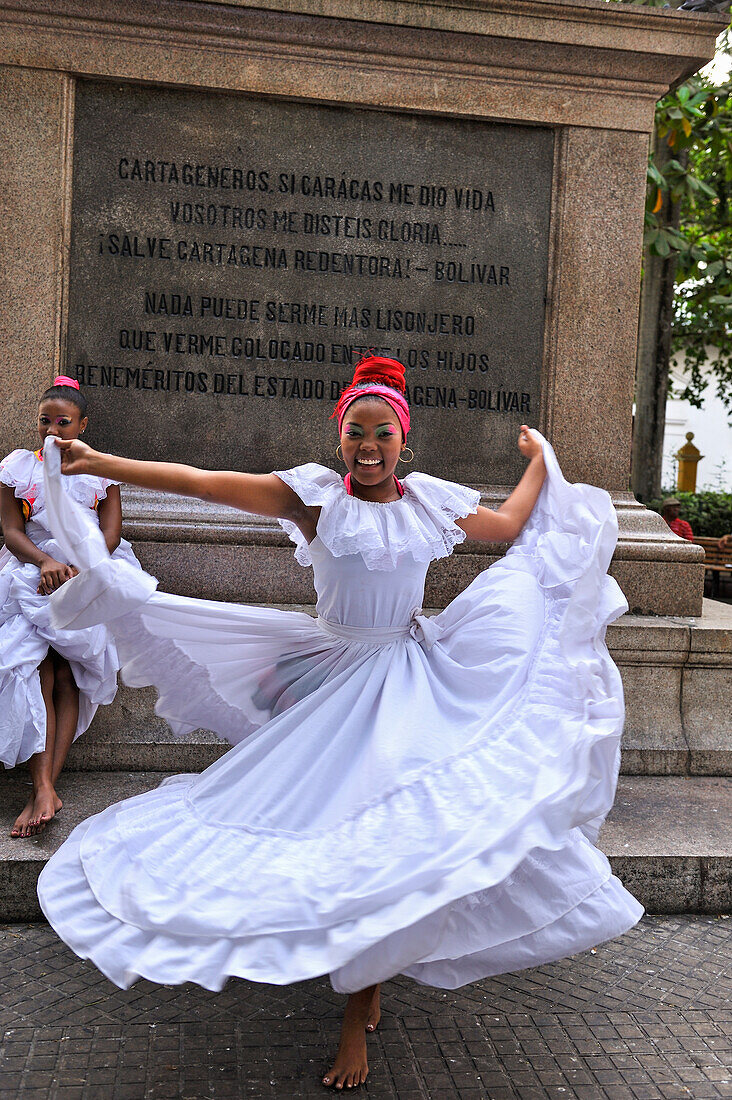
{"points": [[340, 456], [407, 460]]}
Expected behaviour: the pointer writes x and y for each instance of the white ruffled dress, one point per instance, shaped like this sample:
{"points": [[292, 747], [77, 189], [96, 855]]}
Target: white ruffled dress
{"points": [[26, 630], [405, 795]]}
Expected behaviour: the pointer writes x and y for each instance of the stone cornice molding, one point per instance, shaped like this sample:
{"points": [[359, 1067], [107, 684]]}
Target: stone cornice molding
{"points": [[577, 62], [575, 22]]}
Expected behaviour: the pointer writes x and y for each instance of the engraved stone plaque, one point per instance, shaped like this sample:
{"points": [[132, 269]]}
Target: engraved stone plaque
{"points": [[232, 257]]}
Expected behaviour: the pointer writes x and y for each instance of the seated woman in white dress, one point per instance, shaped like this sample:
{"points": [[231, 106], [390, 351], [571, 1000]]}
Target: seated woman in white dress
{"points": [[405, 794], [51, 681]]}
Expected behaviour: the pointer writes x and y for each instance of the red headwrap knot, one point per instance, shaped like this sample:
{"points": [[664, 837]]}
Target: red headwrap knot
{"points": [[378, 377]]}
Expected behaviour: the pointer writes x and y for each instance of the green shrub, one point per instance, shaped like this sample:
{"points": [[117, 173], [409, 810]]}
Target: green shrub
{"points": [[710, 514]]}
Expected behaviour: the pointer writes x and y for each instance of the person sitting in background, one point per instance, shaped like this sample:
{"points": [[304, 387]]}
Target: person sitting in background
{"points": [[670, 512], [725, 543]]}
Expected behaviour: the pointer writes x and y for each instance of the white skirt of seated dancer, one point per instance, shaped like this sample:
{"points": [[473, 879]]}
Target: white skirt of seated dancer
{"points": [[26, 634], [405, 795]]}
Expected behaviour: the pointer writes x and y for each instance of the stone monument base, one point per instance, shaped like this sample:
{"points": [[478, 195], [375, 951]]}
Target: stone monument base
{"points": [[676, 671], [219, 553], [668, 835]]}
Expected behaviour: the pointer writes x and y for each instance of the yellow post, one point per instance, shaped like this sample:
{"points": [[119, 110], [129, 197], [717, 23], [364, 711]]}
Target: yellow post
{"points": [[688, 458]]}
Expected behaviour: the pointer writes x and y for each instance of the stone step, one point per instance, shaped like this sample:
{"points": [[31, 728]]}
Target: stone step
{"points": [[21, 860], [669, 838], [677, 675]]}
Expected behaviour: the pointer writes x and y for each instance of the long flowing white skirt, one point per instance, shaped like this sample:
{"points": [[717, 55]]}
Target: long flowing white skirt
{"points": [[423, 803], [26, 634]]}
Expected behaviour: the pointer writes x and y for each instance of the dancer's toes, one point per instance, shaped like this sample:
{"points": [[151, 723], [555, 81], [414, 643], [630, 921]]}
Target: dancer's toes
{"points": [[23, 820], [350, 1068], [340, 1079]]}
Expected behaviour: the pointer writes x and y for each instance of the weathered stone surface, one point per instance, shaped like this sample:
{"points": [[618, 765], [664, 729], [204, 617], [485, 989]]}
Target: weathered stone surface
{"points": [[670, 841], [470, 60], [707, 693], [650, 652], [677, 677], [660, 587], [667, 884], [249, 251], [672, 816], [128, 736], [34, 106], [653, 738], [590, 364], [21, 860]]}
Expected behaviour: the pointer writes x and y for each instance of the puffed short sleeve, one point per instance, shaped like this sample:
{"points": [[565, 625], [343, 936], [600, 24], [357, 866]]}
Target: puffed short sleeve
{"points": [[316, 486], [17, 471]]}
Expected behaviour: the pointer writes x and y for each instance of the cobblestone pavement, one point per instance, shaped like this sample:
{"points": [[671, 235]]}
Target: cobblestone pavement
{"points": [[648, 1016]]}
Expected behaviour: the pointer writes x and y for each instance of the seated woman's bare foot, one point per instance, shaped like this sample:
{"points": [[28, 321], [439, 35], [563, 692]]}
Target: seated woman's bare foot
{"points": [[374, 1010], [350, 1068], [22, 821], [46, 805]]}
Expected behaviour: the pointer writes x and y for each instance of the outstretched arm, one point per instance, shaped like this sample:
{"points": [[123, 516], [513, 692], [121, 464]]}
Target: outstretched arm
{"points": [[506, 523], [264, 494]]}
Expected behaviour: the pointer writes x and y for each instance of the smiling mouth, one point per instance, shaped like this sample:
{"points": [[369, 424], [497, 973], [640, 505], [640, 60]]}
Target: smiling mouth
{"points": [[368, 462]]}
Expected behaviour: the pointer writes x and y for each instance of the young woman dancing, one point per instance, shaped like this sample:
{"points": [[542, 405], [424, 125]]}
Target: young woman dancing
{"points": [[406, 794]]}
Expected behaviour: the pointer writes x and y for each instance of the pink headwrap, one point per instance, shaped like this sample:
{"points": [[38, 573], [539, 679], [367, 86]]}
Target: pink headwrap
{"points": [[64, 380], [397, 402]]}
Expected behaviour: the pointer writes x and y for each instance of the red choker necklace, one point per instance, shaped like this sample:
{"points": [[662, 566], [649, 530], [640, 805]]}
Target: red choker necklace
{"points": [[349, 490]]}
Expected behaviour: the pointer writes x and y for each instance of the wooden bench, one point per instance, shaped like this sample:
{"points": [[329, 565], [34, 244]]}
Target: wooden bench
{"points": [[718, 562]]}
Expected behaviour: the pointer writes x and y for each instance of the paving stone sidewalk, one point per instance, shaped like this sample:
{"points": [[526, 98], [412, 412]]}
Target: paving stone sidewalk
{"points": [[648, 1017]]}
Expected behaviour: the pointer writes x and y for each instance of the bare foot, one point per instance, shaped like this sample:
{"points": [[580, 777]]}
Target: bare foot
{"points": [[374, 1010], [46, 805], [350, 1068], [22, 821]]}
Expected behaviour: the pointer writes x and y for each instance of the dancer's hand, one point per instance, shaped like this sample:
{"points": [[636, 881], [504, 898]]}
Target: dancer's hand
{"points": [[527, 444], [76, 457], [53, 575]]}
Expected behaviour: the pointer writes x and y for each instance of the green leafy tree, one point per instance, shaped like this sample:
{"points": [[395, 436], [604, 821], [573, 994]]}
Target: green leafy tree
{"points": [[686, 295], [695, 122]]}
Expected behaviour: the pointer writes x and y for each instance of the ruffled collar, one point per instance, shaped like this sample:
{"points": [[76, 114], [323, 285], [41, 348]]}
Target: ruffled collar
{"points": [[422, 523]]}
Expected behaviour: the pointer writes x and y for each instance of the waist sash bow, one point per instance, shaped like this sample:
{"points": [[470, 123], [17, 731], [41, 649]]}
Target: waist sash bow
{"points": [[420, 627]]}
